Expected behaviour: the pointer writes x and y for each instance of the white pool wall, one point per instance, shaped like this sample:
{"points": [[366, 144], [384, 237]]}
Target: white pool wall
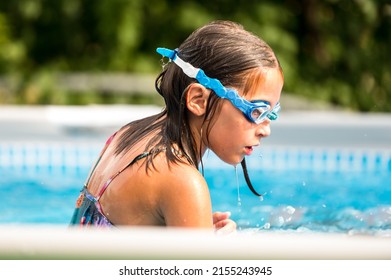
{"points": [[49, 242]]}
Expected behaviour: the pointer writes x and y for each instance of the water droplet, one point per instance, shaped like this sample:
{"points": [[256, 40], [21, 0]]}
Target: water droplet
{"points": [[261, 198], [304, 183], [238, 187], [266, 226], [290, 210], [280, 220], [324, 205]]}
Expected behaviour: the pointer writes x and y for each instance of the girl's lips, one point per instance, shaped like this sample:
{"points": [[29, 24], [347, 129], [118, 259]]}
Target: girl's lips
{"points": [[248, 150]]}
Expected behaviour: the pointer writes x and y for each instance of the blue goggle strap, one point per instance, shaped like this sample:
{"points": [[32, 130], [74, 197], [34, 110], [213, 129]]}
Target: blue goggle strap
{"points": [[214, 84], [206, 81]]}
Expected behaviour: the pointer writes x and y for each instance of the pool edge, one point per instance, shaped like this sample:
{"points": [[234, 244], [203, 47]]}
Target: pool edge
{"points": [[59, 242]]}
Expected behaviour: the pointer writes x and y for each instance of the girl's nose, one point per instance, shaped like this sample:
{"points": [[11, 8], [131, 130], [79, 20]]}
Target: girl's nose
{"points": [[263, 129]]}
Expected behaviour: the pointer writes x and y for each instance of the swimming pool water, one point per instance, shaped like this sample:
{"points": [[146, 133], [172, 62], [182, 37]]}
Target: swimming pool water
{"points": [[304, 190], [317, 190]]}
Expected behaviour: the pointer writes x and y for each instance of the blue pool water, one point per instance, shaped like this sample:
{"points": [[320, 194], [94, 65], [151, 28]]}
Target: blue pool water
{"points": [[304, 190]]}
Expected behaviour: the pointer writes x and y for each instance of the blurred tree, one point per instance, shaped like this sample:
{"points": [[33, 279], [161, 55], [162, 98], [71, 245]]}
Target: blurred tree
{"points": [[334, 50], [12, 52], [342, 54]]}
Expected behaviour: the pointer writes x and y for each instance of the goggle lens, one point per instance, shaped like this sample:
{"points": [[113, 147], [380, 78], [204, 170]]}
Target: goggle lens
{"points": [[260, 113]]}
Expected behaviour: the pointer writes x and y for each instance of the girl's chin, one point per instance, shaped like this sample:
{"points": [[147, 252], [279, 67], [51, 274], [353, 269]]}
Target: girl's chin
{"points": [[233, 161], [232, 158]]}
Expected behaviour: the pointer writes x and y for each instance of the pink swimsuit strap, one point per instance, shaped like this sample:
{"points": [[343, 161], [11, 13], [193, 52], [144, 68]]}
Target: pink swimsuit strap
{"points": [[108, 182]]}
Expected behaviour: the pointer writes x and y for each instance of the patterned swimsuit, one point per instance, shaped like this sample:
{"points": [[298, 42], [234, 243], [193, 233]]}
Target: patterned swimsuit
{"points": [[88, 210]]}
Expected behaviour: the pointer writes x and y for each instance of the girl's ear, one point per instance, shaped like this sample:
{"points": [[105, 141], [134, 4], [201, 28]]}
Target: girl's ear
{"points": [[197, 99]]}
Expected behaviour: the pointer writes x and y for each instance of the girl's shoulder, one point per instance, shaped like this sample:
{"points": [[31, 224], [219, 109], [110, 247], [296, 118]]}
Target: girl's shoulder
{"points": [[177, 174], [184, 198]]}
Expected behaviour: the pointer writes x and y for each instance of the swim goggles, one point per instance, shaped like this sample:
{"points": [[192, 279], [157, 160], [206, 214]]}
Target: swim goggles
{"points": [[256, 111]]}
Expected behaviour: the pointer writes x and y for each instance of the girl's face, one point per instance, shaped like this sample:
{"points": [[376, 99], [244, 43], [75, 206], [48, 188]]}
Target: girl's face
{"points": [[231, 135]]}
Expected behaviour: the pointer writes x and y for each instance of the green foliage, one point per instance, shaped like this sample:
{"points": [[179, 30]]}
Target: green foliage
{"points": [[12, 52], [342, 54], [332, 50]]}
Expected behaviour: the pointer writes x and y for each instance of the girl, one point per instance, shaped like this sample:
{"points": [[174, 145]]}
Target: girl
{"points": [[221, 88]]}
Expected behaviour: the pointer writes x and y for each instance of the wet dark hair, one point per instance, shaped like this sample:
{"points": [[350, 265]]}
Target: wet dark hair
{"points": [[224, 50]]}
